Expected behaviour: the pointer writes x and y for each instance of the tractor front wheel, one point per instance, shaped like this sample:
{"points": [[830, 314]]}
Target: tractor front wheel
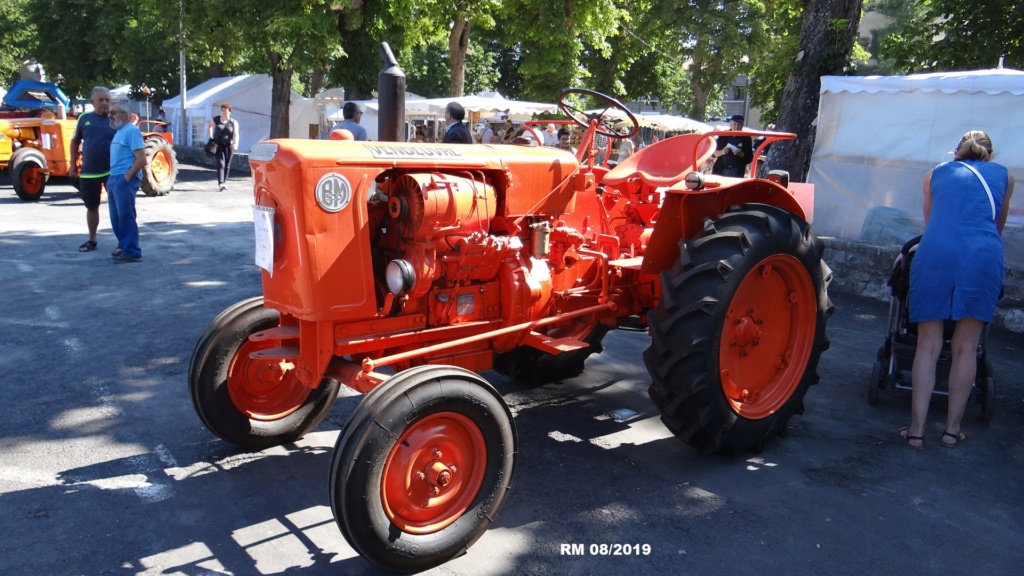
{"points": [[422, 467], [739, 330], [161, 169], [250, 402], [28, 173]]}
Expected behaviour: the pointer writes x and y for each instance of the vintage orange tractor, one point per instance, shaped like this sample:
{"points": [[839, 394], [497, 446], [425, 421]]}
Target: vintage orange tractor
{"points": [[404, 270], [35, 142]]}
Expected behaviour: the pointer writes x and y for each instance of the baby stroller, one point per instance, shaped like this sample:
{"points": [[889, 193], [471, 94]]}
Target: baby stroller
{"points": [[896, 356]]}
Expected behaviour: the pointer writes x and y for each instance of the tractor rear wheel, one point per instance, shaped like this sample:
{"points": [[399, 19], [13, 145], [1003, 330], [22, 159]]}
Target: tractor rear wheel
{"points": [[739, 330], [249, 402], [527, 365], [28, 173], [422, 467], [161, 169]]}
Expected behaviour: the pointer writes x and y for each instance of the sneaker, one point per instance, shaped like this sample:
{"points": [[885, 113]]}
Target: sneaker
{"points": [[117, 252], [223, 187], [123, 258]]}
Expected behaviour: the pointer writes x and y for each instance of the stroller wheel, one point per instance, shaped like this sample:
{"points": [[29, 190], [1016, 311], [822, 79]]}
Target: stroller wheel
{"points": [[986, 384], [876, 382]]}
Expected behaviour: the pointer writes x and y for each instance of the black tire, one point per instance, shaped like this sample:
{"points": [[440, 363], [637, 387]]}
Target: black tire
{"points": [[222, 354], [986, 384], [202, 347], [686, 359], [161, 169], [403, 418], [876, 382], [533, 367], [28, 174]]}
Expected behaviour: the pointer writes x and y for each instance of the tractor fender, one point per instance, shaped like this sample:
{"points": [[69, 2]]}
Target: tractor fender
{"points": [[684, 213]]}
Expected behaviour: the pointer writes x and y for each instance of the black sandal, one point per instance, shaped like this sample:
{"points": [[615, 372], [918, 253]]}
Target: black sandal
{"points": [[905, 434], [957, 438], [87, 246]]}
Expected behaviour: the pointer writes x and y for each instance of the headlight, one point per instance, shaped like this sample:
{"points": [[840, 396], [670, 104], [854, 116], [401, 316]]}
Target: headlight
{"points": [[399, 276]]}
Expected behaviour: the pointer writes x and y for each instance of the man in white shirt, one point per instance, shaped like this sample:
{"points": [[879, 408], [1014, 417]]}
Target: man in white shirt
{"points": [[551, 136], [486, 135]]}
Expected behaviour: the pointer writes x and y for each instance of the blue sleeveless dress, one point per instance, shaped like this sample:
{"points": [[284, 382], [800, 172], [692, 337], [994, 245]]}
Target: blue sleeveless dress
{"points": [[958, 269]]}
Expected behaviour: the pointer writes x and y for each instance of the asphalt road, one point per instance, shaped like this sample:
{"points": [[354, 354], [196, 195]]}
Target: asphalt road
{"points": [[105, 468]]}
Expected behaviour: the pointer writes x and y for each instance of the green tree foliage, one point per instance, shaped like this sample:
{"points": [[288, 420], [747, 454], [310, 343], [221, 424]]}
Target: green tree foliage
{"points": [[956, 35], [771, 70], [548, 40], [714, 40], [293, 34], [899, 14], [428, 69], [78, 41], [362, 27], [19, 34]]}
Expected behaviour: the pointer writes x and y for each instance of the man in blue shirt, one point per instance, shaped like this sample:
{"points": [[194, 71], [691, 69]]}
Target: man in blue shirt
{"points": [[127, 159], [93, 135], [352, 113]]}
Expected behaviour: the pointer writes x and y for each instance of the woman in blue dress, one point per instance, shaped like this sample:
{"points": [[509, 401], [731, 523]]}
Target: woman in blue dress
{"points": [[956, 275]]}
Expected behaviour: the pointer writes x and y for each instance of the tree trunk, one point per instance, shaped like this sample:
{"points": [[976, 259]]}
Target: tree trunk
{"points": [[827, 35], [316, 82], [280, 99], [458, 46]]}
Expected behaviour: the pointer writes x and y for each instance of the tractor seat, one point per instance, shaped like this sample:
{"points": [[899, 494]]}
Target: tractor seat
{"points": [[665, 163]]}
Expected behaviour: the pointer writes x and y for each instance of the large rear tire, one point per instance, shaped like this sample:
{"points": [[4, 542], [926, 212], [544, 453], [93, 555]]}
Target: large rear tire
{"points": [[252, 403], [161, 169], [422, 467], [739, 330], [28, 174]]}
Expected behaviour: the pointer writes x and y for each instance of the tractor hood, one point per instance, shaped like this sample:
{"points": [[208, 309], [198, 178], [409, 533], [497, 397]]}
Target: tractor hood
{"points": [[35, 95]]}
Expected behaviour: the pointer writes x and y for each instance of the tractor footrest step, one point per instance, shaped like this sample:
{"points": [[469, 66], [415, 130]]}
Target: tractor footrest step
{"points": [[276, 333], [282, 353], [627, 263], [553, 345]]}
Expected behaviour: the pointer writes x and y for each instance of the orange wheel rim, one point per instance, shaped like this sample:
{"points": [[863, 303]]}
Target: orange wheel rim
{"points": [[32, 179], [433, 473], [264, 389], [767, 336], [160, 166]]}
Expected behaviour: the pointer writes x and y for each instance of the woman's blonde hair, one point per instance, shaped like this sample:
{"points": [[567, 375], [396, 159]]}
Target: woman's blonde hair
{"points": [[975, 145]]}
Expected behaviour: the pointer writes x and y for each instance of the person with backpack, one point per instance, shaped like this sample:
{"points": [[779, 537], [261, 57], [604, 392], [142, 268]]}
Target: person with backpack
{"points": [[223, 132]]}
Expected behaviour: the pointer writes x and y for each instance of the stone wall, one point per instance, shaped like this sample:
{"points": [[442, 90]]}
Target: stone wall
{"points": [[863, 269]]}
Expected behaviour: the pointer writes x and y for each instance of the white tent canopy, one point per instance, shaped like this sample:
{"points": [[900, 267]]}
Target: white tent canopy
{"points": [[486, 104], [250, 98], [877, 137], [665, 122]]}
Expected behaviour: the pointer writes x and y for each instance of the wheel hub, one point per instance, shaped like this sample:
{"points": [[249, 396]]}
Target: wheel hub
{"points": [[264, 389], [433, 473], [767, 336]]}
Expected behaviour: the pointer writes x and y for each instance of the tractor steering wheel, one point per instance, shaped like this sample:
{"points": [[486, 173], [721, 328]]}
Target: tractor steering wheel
{"points": [[583, 118]]}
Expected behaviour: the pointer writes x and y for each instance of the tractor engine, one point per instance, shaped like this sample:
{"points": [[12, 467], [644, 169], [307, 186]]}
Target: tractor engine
{"points": [[434, 252]]}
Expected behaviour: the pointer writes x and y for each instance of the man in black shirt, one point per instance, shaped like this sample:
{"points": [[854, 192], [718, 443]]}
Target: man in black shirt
{"points": [[733, 153]]}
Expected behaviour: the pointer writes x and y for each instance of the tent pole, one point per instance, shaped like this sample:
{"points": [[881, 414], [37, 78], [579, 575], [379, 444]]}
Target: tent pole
{"points": [[181, 67]]}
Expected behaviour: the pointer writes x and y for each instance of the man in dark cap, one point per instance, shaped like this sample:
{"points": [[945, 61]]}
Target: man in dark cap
{"points": [[733, 153]]}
